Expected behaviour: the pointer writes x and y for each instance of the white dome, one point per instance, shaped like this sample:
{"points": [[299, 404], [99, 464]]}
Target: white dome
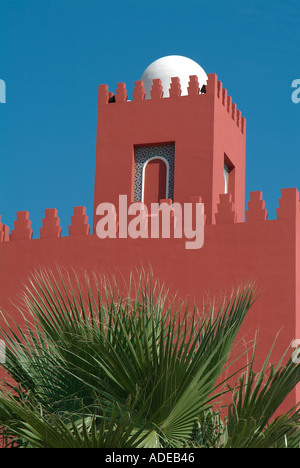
{"points": [[169, 67]]}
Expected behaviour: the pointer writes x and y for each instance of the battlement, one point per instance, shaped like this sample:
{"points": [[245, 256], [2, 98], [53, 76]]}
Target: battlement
{"points": [[50, 229], [213, 88], [4, 232], [289, 208], [139, 94], [230, 107]]}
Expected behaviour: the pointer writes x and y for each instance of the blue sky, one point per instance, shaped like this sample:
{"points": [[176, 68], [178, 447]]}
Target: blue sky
{"points": [[54, 54]]}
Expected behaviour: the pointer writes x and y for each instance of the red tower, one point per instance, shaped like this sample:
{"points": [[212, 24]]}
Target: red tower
{"points": [[199, 138]]}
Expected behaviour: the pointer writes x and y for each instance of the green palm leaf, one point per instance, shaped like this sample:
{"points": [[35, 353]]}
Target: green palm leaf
{"points": [[94, 366]]}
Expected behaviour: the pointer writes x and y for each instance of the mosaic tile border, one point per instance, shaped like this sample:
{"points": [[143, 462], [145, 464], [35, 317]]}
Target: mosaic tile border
{"points": [[142, 154]]}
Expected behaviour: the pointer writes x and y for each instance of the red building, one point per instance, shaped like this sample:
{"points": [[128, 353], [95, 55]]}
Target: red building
{"points": [[183, 141]]}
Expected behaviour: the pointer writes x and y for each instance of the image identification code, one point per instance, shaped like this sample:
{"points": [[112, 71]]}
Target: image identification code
{"points": [[154, 457]]}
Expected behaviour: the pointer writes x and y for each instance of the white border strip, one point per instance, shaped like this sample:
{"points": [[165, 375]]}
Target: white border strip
{"points": [[167, 175]]}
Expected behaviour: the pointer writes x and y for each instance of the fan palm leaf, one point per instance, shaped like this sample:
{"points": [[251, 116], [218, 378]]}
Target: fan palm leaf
{"points": [[92, 363]]}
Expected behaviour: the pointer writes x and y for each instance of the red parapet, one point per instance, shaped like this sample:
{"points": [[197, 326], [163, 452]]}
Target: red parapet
{"points": [[230, 106], [212, 84], [121, 92], [79, 222], [256, 208], [213, 87], [238, 118], [233, 111], [289, 206], [139, 91], [22, 227], [157, 90], [4, 232], [51, 228], [1, 231], [226, 212], [103, 95], [193, 88], [243, 124], [219, 89], [224, 96], [175, 88]]}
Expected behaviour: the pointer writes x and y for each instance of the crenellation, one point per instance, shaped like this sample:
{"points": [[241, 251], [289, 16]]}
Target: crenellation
{"points": [[157, 90], [224, 96], [219, 89], [103, 95], [214, 86], [139, 91], [238, 118], [1, 231], [121, 92], [288, 204], [289, 207], [4, 232], [231, 107], [243, 124], [193, 88], [79, 222], [229, 104], [22, 227], [175, 88], [256, 208], [211, 87], [51, 228], [226, 211], [233, 111]]}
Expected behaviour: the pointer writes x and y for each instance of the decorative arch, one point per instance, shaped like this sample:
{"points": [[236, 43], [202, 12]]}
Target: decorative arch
{"points": [[162, 180], [143, 155]]}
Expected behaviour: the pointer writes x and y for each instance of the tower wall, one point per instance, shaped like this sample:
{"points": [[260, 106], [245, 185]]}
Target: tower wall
{"points": [[204, 127]]}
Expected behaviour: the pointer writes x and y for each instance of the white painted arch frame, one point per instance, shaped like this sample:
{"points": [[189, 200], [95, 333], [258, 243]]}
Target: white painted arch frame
{"points": [[167, 174]]}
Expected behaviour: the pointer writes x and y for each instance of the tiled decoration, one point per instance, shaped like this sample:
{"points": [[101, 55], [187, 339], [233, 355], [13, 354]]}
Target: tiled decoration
{"points": [[143, 154]]}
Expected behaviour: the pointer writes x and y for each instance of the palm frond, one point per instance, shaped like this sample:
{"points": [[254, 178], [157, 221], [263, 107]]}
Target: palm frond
{"points": [[97, 364]]}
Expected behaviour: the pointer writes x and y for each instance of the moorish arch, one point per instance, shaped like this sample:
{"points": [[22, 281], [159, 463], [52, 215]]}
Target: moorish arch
{"points": [[154, 173]]}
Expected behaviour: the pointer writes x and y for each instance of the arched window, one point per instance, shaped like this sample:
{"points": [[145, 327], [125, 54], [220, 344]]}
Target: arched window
{"points": [[155, 180], [154, 163]]}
